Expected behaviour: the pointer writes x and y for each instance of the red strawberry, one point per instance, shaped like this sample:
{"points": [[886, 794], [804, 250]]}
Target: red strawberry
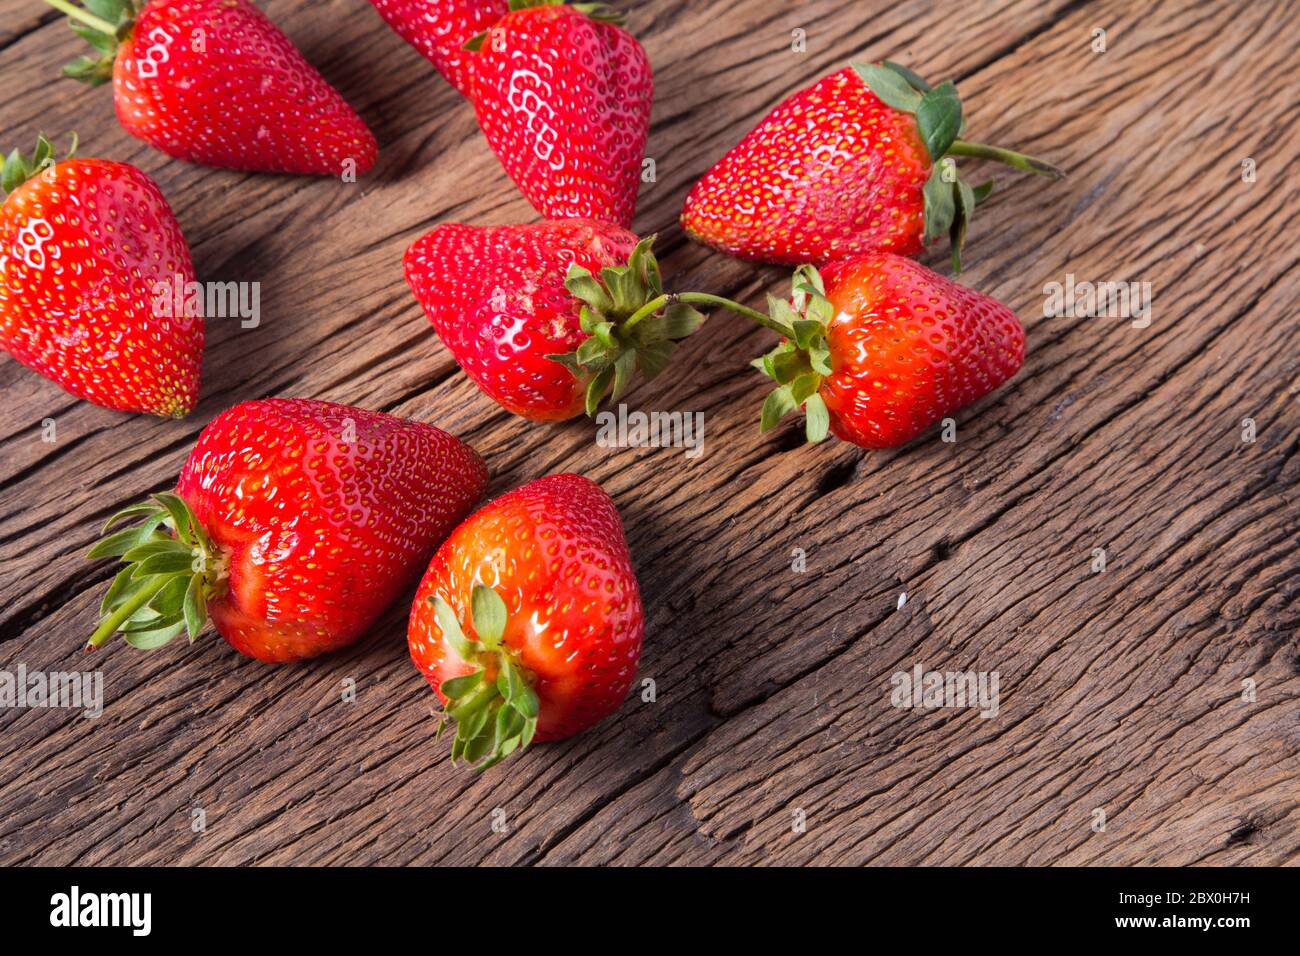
{"points": [[507, 301], [529, 618], [294, 525], [83, 243], [216, 82], [880, 348], [564, 100], [847, 166], [439, 29]]}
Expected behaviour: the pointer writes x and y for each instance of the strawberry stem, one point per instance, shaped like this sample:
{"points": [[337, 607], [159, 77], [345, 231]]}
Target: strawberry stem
{"points": [[85, 16], [1029, 164], [699, 298], [108, 627]]}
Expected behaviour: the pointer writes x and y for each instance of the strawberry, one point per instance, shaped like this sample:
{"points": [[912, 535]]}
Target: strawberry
{"points": [[547, 318], [528, 622], [216, 82], [563, 96], [850, 165], [83, 242], [293, 525], [439, 29], [879, 348]]}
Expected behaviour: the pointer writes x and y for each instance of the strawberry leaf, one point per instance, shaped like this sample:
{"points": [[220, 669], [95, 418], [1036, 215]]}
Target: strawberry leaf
{"points": [[817, 418], [154, 638], [457, 687], [819, 357], [452, 634], [584, 287], [805, 386], [654, 357], [964, 198], [597, 388], [779, 402], [195, 609], [624, 368], [939, 207], [938, 120], [890, 87], [915, 81], [489, 613]]}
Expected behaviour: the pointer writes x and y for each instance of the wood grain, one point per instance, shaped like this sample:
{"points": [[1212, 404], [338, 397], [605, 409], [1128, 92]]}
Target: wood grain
{"points": [[1120, 690]]}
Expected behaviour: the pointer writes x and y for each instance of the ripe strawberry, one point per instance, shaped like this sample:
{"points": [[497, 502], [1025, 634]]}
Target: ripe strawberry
{"points": [[507, 301], [563, 98], [880, 348], [439, 29], [528, 620], [847, 166], [216, 82], [83, 242], [294, 524]]}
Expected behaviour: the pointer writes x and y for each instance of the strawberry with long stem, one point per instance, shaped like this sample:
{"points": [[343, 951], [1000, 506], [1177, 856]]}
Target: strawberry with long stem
{"points": [[549, 318], [878, 348], [859, 162], [216, 82]]}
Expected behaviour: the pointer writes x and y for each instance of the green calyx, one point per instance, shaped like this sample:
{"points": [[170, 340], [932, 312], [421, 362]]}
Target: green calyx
{"points": [[596, 11], [494, 708], [803, 358], [172, 570], [17, 168], [103, 24], [949, 201], [630, 323]]}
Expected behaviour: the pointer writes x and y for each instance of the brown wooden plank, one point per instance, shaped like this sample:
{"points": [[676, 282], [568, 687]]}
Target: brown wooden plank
{"points": [[1120, 690]]}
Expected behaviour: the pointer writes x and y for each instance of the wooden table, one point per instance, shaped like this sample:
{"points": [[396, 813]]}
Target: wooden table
{"points": [[1127, 730]]}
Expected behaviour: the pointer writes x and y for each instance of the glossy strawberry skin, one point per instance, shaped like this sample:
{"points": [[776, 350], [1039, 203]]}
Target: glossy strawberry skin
{"points": [[564, 101], [83, 245], [909, 348], [321, 533], [832, 172], [555, 552], [246, 98], [496, 297], [439, 29]]}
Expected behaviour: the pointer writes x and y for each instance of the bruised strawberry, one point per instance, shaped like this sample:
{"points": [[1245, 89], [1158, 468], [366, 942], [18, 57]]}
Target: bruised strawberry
{"points": [[538, 315], [528, 622], [294, 524], [563, 96], [880, 348], [83, 243], [853, 164], [216, 82], [439, 29]]}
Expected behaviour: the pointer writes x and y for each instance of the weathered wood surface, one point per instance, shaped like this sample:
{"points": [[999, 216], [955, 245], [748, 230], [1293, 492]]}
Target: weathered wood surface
{"points": [[1121, 691]]}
